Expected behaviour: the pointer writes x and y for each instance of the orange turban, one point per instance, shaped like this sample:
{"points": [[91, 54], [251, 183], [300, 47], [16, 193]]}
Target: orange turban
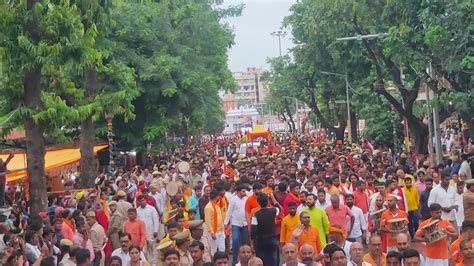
{"points": [[333, 229]]}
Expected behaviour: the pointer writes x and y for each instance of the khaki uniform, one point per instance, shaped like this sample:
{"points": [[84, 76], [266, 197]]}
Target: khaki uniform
{"points": [[116, 222], [122, 209], [185, 257], [98, 239]]}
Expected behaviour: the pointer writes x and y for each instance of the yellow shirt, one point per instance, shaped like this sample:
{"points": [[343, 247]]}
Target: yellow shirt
{"points": [[210, 215], [288, 224], [412, 198]]}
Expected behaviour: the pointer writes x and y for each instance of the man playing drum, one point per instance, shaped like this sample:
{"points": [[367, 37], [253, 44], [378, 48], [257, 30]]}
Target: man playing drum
{"points": [[437, 251]]}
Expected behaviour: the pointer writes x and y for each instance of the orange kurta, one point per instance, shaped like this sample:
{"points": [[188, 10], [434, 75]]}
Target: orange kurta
{"points": [[367, 258], [454, 252], [310, 236], [386, 216], [288, 224], [438, 249], [137, 230]]}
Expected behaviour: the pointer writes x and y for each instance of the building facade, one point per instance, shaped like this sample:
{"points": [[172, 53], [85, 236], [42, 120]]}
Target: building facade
{"points": [[250, 89]]}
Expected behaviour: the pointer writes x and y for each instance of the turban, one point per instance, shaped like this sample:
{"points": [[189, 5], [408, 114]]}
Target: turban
{"points": [[333, 229]]}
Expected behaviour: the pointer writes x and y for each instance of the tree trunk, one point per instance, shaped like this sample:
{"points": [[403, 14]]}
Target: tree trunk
{"points": [[420, 136], [87, 138], [354, 122], [290, 117], [35, 149]]}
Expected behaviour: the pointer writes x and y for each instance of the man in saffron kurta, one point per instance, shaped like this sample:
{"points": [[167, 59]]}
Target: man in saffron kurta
{"points": [[393, 212], [306, 234], [215, 223], [251, 202], [436, 252], [289, 224], [136, 228]]}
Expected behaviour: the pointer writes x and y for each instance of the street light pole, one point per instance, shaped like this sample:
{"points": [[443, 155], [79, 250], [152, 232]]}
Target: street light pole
{"points": [[349, 119], [348, 102], [280, 34]]}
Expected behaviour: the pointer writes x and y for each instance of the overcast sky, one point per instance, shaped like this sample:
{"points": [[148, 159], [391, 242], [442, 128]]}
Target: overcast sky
{"points": [[253, 42]]}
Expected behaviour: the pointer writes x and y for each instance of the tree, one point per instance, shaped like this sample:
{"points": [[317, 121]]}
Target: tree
{"points": [[107, 84], [36, 38], [180, 57], [419, 33]]}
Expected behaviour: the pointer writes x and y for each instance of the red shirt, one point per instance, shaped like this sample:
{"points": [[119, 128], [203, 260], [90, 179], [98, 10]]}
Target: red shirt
{"points": [[291, 197], [361, 200], [251, 203]]}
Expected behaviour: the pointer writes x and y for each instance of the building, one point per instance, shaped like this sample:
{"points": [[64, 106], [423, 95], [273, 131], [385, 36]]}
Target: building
{"points": [[244, 117], [229, 102], [250, 89]]}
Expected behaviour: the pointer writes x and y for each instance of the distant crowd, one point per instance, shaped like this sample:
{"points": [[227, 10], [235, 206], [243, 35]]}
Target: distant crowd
{"points": [[289, 199]]}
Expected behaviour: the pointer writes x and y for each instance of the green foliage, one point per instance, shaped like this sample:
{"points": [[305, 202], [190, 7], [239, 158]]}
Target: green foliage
{"points": [[179, 52], [159, 65], [419, 33]]}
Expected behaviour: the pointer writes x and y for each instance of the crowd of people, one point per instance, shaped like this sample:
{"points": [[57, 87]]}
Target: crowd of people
{"points": [[291, 200]]}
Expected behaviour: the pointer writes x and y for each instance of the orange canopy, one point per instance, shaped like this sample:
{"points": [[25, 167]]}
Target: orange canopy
{"points": [[53, 159], [259, 132]]}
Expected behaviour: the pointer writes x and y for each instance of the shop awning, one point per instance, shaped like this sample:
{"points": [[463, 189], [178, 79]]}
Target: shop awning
{"points": [[53, 159]]}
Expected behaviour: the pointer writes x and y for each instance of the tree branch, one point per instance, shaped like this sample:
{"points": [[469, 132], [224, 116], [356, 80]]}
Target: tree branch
{"points": [[314, 106]]}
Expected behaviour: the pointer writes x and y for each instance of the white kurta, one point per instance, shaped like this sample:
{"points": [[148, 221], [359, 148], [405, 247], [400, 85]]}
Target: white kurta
{"points": [[150, 217]]}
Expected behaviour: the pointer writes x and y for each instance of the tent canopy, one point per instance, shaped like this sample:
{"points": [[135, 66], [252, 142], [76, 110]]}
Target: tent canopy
{"points": [[259, 132], [53, 159]]}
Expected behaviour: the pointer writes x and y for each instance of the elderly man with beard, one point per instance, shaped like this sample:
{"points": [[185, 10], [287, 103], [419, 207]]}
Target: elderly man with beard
{"points": [[375, 256], [307, 255]]}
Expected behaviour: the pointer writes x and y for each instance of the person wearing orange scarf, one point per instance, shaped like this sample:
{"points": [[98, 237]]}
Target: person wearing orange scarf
{"points": [[215, 223], [223, 204]]}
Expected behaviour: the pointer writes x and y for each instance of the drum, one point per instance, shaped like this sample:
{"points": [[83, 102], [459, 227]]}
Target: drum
{"points": [[432, 232], [397, 226], [172, 189], [183, 167], [376, 216]]}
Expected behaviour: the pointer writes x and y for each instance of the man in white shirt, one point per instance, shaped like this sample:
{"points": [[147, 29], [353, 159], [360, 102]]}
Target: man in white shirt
{"points": [[459, 201], [31, 248], [235, 216], [324, 199], [309, 186], [360, 225], [149, 216], [122, 253], [465, 169], [445, 195]]}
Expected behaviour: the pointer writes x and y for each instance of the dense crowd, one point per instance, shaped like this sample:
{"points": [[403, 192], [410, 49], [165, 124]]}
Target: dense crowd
{"points": [[296, 200]]}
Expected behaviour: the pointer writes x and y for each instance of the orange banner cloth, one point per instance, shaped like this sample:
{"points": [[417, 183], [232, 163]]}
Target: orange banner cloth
{"points": [[53, 159]]}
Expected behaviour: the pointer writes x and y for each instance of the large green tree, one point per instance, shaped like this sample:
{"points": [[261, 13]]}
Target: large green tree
{"points": [[419, 33], [179, 53], [36, 40]]}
